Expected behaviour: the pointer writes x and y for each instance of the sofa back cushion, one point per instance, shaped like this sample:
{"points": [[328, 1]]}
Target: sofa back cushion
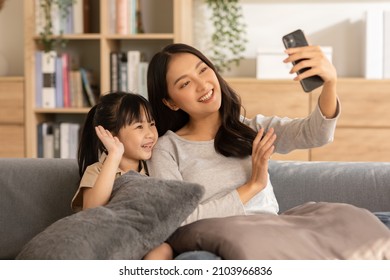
{"points": [[33, 194]]}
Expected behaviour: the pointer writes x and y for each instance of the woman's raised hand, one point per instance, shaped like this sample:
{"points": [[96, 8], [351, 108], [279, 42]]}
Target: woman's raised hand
{"points": [[262, 149], [313, 57]]}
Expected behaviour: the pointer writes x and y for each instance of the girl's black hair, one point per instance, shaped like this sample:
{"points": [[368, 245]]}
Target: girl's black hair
{"points": [[114, 111], [233, 138]]}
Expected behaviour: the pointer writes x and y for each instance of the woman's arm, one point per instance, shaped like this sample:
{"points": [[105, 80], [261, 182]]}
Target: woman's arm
{"points": [[100, 193]]}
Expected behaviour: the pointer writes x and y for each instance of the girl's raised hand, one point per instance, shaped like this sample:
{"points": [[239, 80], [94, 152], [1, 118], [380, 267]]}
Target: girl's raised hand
{"points": [[111, 143]]}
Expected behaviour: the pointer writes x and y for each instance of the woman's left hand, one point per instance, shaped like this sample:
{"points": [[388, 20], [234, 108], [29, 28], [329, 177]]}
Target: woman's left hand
{"points": [[314, 58]]}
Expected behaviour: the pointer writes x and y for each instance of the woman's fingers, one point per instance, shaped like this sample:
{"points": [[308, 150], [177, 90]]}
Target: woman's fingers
{"points": [[264, 148]]}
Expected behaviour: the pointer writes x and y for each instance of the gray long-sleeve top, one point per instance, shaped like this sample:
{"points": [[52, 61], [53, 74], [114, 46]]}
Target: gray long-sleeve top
{"points": [[197, 161]]}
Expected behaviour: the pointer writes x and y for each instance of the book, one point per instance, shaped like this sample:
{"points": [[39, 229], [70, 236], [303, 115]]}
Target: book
{"points": [[59, 85], [65, 80], [56, 140], [133, 60], [77, 95], [374, 44], [69, 138], [114, 71], [45, 140], [40, 19], [78, 17], [386, 45], [122, 71], [48, 79], [122, 9], [142, 79], [38, 79], [85, 76], [111, 17]]}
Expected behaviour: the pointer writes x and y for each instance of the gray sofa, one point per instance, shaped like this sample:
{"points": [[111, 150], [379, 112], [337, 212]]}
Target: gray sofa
{"points": [[36, 192]]}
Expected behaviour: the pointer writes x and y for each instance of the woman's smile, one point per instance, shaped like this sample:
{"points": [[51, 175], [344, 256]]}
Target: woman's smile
{"points": [[207, 96]]}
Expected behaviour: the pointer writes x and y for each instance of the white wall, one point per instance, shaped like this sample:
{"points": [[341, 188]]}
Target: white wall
{"points": [[11, 39], [340, 24]]}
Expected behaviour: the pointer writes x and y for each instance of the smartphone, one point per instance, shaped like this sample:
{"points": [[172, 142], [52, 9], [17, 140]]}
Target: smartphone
{"points": [[298, 39]]}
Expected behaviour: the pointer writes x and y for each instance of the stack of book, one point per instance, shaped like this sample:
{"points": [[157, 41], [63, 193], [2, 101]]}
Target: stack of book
{"points": [[128, 72], [125, 17], [377, 60], [58, 140], [74, 21], [61, 83]]}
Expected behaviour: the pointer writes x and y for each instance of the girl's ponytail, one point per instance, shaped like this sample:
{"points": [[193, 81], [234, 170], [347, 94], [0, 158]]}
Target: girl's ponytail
{"points": [[88, 151]]}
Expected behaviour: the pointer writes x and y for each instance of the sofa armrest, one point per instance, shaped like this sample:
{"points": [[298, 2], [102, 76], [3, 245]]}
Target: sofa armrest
{"points": [[33, 194], [363, 184]]}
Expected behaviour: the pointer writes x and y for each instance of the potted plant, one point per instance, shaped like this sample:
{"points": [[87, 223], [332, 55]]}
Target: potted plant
{"points": [[47, 39], [229, 36]]}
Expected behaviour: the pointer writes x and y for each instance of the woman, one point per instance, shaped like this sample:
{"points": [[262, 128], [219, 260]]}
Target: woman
{"points": [[205, 140]]}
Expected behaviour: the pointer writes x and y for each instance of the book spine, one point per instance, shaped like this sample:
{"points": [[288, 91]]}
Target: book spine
{"points": [[114, 71], [48, 141], [64, 140], [65, 80], [142, 78], [133, 60], [78, 17], [87, 87], [39, 17], [122, 17], [38, 79], [48, 77], [56, 140], [59, 86], [122, 59]]}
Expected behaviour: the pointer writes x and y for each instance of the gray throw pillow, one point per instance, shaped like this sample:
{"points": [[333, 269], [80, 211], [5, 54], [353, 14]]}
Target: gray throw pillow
{"points": [[141, 214]]}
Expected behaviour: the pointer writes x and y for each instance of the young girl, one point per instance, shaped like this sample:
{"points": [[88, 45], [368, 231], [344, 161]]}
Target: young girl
{"points": [[205, 140], [118, 135]]}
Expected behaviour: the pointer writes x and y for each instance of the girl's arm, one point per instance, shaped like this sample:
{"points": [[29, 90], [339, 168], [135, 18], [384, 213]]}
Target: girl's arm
{"points": [[313, 57], [100, 193], [161, 252]]}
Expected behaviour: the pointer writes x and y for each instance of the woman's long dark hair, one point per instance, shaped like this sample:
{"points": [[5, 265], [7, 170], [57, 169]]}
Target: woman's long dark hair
{"points": [[114, 111], [233, 137]]}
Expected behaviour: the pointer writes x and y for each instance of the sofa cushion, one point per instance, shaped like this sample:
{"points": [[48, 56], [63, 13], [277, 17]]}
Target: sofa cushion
{"points": [[310, 231], [141, 214]]}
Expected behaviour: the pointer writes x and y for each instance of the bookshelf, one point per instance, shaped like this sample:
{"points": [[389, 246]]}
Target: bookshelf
{"points": [[362, 129], [165, 22]]}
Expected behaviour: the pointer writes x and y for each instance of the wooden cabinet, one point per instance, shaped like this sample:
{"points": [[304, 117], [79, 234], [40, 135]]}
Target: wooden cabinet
{"points": [[12, 117], [363, 129], [168, 21]]}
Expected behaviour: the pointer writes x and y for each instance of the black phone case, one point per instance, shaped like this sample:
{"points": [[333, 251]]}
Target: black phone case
{"points": [[298, 39]]}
